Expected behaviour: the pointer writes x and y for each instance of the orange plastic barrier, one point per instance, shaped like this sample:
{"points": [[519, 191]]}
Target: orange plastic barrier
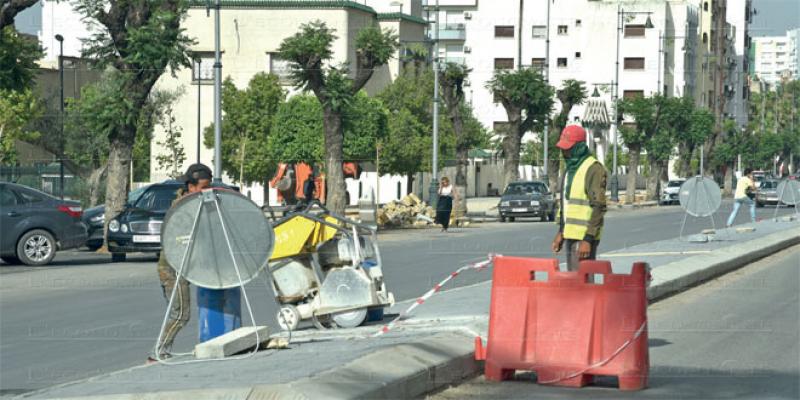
{"points": [[567, 326]]}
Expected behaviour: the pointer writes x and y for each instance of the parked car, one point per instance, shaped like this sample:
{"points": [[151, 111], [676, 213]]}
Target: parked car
{"points": [[137, 229], [670, 194], [527, 199], [767, 193], [95, 219], [36, 225]]}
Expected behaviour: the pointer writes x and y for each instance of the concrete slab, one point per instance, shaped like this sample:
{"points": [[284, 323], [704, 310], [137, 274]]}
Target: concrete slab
{"points": [[232, 342]]}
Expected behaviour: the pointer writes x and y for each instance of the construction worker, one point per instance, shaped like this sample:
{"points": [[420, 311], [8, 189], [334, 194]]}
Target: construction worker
{"points": [[197, 178], [583, 199]]}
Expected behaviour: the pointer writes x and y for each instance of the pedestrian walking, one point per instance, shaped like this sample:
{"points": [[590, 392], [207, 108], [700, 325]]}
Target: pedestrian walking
{"points": [[196, 178], [444, 206], [582, 206], [745, 195]]}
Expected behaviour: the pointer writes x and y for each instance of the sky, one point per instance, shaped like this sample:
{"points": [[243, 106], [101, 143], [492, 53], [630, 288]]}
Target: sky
{"points": [[775, 17]]}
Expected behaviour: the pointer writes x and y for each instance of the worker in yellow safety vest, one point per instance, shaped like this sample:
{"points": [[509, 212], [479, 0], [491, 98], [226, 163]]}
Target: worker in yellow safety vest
{"points": [[582, 204]]}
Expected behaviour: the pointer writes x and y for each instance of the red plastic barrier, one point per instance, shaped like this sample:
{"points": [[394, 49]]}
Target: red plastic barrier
{"points": [[566, 326]]}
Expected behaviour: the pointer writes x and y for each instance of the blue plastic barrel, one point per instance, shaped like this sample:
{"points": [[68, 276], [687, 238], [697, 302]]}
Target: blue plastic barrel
{"points": [[219, 311]]}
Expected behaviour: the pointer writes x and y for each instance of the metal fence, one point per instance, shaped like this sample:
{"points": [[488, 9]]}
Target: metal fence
{"points": [[47, 178]]}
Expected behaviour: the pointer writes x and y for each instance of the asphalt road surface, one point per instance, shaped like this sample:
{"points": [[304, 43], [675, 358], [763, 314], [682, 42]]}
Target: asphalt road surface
{"points": [[82, 315], [736, 337]]}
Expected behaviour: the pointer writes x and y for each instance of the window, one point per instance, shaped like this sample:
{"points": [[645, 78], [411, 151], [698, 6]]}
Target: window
{"points": [[539, 31], [577, 22], [281, 68], [562, 62], [634, 62], [705, 6], [632, 94], [577, 54], [562, 29], [503, 63], [503, 31], [7, 197], [28, 197], [537, 64], [634, 30], [158, 198], [705, 37], [204, 72]]}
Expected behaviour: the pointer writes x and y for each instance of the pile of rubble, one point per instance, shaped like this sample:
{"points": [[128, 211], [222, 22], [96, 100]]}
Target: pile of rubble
{"points": [[410, 211]]}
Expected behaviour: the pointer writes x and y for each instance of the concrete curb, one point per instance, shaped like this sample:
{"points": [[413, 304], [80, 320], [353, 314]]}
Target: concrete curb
{"points": [[413, 369]]}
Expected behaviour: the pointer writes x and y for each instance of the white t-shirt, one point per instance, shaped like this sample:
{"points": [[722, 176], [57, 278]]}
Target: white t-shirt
{"points": [[446, 191]]}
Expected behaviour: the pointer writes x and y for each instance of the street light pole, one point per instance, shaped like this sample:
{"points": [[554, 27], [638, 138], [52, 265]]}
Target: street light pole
{"points": [[435, 168], [217, 98], [614, 177], [198, 107], [546, 70], [61, 109]]}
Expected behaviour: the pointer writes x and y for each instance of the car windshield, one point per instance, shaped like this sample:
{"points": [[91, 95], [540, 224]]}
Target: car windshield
{"points": [[157, 198], [769, 185], [526, 188], [134, 195], [674, 183]]}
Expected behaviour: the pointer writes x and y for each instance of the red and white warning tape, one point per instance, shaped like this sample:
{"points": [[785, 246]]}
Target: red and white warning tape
{"points": [[476, 266]]}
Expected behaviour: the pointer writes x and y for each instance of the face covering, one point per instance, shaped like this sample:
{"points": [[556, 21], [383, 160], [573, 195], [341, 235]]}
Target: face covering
{"points": [[577, 155]]}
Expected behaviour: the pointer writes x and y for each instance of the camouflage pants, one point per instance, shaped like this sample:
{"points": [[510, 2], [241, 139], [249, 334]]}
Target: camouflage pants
{"points": [[179, 312]]}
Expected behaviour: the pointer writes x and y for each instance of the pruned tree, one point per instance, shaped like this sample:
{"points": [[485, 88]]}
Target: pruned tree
{"points": [[451, 80], [528, 100], [309, 51], [140, 40], [19, 60], [648, 114], [572, 93]]}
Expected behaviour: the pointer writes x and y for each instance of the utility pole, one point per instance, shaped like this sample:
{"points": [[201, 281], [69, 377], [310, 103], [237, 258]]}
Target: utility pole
{"points": [[217, 97], [61, 108], [435, 168], [546, 71], [199, 65]]}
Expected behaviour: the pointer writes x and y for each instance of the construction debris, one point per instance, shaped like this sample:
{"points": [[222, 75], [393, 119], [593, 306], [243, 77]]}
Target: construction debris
{"points": [[409, 211]]}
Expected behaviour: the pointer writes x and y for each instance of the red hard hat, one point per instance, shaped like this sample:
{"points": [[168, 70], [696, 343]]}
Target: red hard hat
{"points": [[571, 135]]}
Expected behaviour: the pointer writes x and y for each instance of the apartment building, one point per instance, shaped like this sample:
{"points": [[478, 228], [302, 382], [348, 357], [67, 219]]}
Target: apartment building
{"points": [[251, 33], [45, 20], [654, 57], [737, 90], [777, 57]]}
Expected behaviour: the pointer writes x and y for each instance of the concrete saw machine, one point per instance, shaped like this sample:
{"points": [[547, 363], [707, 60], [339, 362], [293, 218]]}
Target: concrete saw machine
{"points": [[327, 268]]}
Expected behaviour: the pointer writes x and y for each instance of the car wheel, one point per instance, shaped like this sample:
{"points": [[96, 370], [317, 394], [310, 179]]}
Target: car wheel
{"points": [[10, 260], [37, 247], [118, 257], [502, 218], [544, 217], [511, 219]]}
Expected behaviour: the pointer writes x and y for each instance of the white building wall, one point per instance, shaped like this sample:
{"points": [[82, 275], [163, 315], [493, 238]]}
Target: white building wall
{"points": [[736, 106], [772, 58], [46, 19]]}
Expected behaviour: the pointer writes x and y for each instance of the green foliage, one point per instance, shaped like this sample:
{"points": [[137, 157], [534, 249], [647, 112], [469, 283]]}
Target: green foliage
{"points": [[18, 60], [307, 50], [532, 154], [365, 124], [18, 109], [175, 155], [374, 47], [407, 148], [525, 93], [246, 128], [572, 93], [297, 132]]}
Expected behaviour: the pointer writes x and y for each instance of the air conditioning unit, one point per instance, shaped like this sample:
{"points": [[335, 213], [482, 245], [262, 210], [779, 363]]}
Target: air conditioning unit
{"points": [[467, 15], [467, 49]]}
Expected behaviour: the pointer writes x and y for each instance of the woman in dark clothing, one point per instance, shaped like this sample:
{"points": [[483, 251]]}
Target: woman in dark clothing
{"points": [[445, 204]]}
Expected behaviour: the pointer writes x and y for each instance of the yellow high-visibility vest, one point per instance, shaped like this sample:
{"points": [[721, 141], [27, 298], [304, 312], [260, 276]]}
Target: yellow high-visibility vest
{"points": [[579, 212]]}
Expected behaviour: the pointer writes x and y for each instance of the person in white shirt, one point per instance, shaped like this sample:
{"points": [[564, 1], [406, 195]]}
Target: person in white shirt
{"points": [[745, 192], [445, 204]]}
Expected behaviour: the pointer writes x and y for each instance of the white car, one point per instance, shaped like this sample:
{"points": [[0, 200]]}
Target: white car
{"points": [[670, 194]]}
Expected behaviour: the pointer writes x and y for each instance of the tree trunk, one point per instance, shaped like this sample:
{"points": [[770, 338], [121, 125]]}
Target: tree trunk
{"points": [[460, 207], [653, 180], [95, 178], [634, 152], [409, 184], [265, 191], [335, 188], [553, 171], [511, 145], [119, 166], [728, 186]]}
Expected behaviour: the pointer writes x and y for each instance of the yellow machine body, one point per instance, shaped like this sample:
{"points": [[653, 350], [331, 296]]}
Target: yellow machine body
{"points": [[301, 235]]}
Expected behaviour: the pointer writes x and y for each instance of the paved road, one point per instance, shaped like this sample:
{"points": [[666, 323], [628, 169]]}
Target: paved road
{"points": [[82, 315], [737, 337]]}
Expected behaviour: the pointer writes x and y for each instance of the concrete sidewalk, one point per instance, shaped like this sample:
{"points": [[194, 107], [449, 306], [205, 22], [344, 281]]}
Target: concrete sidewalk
{"points": [[431, 349]]}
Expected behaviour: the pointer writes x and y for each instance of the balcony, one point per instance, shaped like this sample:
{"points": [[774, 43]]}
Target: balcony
{"points": [[455, 60], [452, 32]]}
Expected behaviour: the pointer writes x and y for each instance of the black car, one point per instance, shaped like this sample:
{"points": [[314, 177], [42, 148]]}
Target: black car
{"points": [[95, 219], [527, 199], [35, 225], [137, 229]]}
